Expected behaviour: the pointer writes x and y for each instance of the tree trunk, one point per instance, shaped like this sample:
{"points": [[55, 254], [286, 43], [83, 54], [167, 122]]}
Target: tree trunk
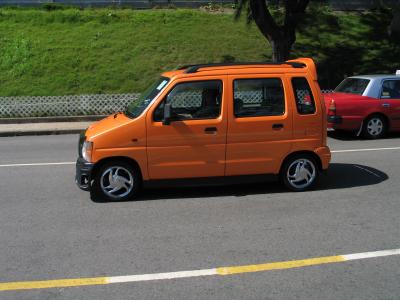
{"points": [[282, 37], [280, 50]]}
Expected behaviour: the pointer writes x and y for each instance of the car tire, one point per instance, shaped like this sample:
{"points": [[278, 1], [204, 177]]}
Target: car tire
{"points": [[299, 173], [374, 127], [116, 181]]}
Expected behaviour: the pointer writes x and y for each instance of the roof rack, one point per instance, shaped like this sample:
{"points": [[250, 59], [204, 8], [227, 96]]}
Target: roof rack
{"points": [[194, 68]]}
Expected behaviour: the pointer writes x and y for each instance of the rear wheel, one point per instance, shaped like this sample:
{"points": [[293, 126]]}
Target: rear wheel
{"points": [[374, 127], [116, 181], [299, 173]]}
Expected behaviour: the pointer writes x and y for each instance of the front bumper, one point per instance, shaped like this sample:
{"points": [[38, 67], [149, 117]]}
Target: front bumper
{"points": [[83, 174]]}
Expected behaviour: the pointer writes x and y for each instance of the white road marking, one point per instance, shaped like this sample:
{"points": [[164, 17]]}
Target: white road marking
{"points": [[365, 150], [366, 170], [72, 162], [161, 276], [371, 254]]}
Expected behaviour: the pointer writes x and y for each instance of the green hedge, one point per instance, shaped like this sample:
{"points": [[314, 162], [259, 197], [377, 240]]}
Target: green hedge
{"points": [[72, 51]]}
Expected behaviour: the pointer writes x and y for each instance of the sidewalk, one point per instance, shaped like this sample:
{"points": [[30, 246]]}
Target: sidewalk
{"points": [[43, 128]]}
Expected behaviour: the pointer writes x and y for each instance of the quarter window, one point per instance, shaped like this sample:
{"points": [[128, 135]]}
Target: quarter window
{"points": [[258, 97], [304, 98], [193, 101], [391, 89]]}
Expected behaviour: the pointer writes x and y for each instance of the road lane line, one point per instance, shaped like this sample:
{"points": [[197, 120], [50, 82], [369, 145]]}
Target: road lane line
{"points": [[45, 284], [365, 150], [72, 162], [162, 276], [221, 271], [39, 164], [366, 170], [280, 265], [371, 254]]}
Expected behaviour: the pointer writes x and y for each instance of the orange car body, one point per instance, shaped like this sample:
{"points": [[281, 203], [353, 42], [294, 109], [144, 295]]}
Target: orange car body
{"points": [[236, 146]]}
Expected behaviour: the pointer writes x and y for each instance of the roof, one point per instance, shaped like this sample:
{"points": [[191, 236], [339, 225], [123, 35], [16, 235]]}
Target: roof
{"points": [[377, 76], [301, 65]]}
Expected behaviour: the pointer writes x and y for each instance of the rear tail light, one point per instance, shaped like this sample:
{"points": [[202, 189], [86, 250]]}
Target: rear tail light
{"points": [[332, 108]]}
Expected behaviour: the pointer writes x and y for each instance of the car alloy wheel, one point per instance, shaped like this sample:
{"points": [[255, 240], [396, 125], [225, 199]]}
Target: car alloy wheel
{"points": [[116, 182], [375, 126], [301, 173]]}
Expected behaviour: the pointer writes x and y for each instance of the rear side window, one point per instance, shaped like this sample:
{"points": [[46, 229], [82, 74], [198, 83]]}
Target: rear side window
{"points": [[304, 98], [352, 86], [258, 97], [391, 89]]}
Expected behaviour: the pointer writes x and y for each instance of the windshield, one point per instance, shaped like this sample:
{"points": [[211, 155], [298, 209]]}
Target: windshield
{"points": [[352, 86], [139, 105]]}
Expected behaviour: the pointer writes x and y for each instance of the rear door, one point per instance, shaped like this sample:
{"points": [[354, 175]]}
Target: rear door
{"points": [[259, 124], [390, 101]]}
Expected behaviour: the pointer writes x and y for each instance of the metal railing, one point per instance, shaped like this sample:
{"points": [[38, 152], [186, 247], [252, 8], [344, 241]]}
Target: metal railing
{"points": [[80, 105], [74, 105]]}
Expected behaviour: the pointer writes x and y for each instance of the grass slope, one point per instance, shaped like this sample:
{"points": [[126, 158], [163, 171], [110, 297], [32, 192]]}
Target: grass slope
{"points": [[75, 51]]}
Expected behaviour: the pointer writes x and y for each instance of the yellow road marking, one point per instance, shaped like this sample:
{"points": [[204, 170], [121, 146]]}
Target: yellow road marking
{"points": [[280, 265], [28, 285]]}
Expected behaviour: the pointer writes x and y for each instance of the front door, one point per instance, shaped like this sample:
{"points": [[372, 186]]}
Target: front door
{"points": [[193, 144], [259, 124]]}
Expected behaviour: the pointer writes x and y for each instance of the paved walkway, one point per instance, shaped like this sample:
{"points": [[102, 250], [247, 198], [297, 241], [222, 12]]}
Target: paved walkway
{"points": [[42, 128]]}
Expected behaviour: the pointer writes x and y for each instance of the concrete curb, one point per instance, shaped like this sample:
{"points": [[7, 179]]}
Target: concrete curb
{"points": [[51, 119], [44, 128], [44, 132]]}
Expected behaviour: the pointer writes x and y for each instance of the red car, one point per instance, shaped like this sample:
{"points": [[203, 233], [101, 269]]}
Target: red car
{"points": [[368, 105]]}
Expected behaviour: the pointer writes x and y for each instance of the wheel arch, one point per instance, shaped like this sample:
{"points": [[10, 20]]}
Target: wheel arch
{"points": [[125, 159]]}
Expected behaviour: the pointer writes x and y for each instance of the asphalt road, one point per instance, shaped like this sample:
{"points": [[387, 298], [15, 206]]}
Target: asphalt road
{"points": [[49, 229]]}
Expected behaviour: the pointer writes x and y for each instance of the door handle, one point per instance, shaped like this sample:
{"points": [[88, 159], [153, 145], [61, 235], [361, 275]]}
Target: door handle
{"points": [[210, 130], [277, 126], [386, 104]]}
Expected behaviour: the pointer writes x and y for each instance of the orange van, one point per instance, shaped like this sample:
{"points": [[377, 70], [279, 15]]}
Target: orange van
{"points": [[211, 120]]}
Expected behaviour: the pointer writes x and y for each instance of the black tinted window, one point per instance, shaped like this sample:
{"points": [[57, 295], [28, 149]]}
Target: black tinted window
{"points": [[258, 97], [304, 97], [391, 89], [193, 101]]}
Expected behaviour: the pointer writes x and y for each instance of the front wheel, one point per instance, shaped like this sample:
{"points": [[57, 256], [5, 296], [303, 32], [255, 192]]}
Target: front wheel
{"points": [[374, 127], [299, 173], [116, 181]]}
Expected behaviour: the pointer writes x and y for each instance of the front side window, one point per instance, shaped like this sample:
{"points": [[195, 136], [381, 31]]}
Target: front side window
{"points": [[304, 98], [352, 86], [258, 97], [193, 101], [391, 89], [139, 105]]}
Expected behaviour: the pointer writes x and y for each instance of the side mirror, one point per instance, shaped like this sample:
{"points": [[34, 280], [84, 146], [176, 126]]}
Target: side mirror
{"points": [[167, 114]]}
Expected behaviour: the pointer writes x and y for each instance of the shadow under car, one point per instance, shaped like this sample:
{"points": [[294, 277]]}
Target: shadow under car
{"points": [[338, 176]]}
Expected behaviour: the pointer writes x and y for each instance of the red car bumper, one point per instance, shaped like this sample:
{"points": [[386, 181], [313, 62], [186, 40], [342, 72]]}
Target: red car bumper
{"points": [[349, 123]]}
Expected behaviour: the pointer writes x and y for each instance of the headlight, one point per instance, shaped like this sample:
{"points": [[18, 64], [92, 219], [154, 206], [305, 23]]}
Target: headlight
{"points": [[87, 151]]}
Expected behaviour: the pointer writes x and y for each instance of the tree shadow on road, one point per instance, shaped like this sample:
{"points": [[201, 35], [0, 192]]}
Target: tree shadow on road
{"points": [[339, 176]]}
